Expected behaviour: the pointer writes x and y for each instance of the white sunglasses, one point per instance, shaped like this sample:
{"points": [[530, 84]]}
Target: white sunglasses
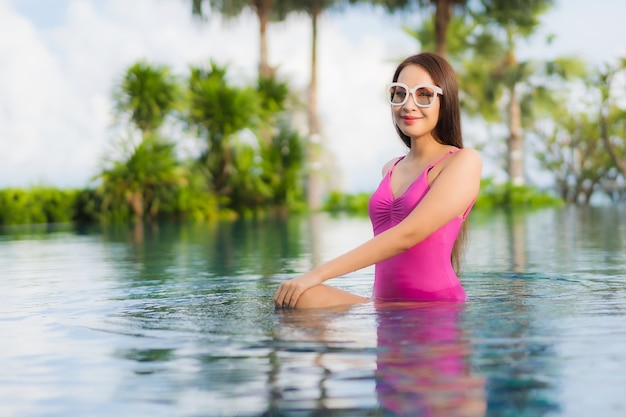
{"points": [[424, 95]]}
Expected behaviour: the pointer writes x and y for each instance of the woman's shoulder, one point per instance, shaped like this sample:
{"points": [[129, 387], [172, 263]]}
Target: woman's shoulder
{"points": [[465, 155], [469, 154], [465, 158], [390, 164]]}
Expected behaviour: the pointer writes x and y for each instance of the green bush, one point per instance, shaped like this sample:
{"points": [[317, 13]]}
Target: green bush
{"points": [[87, 206], [490, 195], [347, 203], [36, 205], [509, 195]]}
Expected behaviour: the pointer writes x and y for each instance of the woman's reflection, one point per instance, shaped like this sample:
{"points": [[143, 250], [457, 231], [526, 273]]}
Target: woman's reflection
{"points": [[422, 362]]}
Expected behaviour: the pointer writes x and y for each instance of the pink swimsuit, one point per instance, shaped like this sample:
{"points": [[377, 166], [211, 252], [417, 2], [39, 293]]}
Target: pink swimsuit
{"points": [[424, 272]]}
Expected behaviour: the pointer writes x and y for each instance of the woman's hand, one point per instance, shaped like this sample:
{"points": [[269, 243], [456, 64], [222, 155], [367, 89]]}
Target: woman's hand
{"points": [[289, 291]]}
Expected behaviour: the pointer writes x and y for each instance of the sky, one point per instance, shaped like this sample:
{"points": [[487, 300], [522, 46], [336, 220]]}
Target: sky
{"points": [[60, 59]]}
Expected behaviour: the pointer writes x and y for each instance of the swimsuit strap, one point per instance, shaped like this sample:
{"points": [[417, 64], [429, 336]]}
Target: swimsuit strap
{"points": [[467, 210], [444, 156], [390, 170], [429, 167]]}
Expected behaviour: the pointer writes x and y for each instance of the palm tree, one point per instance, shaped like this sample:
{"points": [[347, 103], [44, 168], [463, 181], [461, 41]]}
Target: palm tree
{"points": [[144, 180], [218, 112], [442, 15], [147, 94], [142, 184], [281, 148], [493, 75], [512, 21], [265, 10], [484, 45], [314, 149]]}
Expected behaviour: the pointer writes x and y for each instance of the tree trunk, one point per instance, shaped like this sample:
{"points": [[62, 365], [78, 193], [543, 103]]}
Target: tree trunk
{"points": [[314, 149], [135, 200], [588, 192], [515, 143], [263, 8], [443, 14], [604, 134]]}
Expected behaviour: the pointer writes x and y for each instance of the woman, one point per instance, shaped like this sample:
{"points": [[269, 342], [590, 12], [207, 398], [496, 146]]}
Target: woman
{"points": [[419, 208]]}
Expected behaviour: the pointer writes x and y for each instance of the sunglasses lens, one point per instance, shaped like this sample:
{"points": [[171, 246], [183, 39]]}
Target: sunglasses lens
{"points": [[425, 96], [397, 94]]}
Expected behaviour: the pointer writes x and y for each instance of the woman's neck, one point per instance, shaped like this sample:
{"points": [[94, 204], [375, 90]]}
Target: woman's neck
{"points": [[426, 148]]}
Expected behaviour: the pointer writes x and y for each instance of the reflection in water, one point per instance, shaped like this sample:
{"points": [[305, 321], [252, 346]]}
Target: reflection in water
{"points": [[314, 229], [516, 347], [248, 247], [324, 363], [516, 225], [423, 362], [499, 236], [420, 363], [177, 319]]}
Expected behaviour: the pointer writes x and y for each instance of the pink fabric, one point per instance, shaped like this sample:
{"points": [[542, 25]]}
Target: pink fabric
{"points": [[424, 272]]}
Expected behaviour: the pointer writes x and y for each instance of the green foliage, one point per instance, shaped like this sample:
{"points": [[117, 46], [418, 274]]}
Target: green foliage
{"points": [[36, 205], [460, 28], [144, 184], [218, 111], [148, 94], [87, 206], [505, 194], [251, 161], [490, 74], [57, 203], [18, 207], [611, 111], [572, 150], [230, 9], [194, 200], [273, 95], [248, 191], [217, 108], [145, 181], [523, 15], [491, 195], [281, 149], [583, 145], [282, 162], [355, 204]]}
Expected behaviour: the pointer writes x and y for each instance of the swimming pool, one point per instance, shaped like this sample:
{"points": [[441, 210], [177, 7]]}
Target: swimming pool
{"points": [[177, 320]]}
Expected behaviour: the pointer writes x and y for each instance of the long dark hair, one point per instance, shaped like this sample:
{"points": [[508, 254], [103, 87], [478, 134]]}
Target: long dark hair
{"points": [[448, 128]]}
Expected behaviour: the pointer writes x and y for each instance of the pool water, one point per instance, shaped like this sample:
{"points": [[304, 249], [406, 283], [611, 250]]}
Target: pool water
{"points": [[177, 320]]}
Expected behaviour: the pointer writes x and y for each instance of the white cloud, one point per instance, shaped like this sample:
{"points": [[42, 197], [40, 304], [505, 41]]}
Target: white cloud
{"points": [[56, 80]]}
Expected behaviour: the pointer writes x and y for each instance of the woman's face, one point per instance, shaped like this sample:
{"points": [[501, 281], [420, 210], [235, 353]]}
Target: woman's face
{"points": [[413, 120]]}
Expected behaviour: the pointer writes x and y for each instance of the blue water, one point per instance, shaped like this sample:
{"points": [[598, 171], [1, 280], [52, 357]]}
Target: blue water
{"points": [[177, 320]]}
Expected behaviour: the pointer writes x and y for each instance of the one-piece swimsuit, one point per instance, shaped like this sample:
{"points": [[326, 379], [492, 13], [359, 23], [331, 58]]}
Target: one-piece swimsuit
{"points": [[423, 272]]}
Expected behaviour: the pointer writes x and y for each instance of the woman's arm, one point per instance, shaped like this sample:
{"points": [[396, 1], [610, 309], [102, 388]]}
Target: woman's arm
{"points": [[450, 194]]}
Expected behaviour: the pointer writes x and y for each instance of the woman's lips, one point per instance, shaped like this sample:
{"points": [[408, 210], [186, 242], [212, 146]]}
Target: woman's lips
{"points": [[410, 120]]}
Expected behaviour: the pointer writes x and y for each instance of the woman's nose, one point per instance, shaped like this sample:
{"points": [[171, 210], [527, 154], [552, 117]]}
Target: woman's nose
{"points": [[410, 103]]}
